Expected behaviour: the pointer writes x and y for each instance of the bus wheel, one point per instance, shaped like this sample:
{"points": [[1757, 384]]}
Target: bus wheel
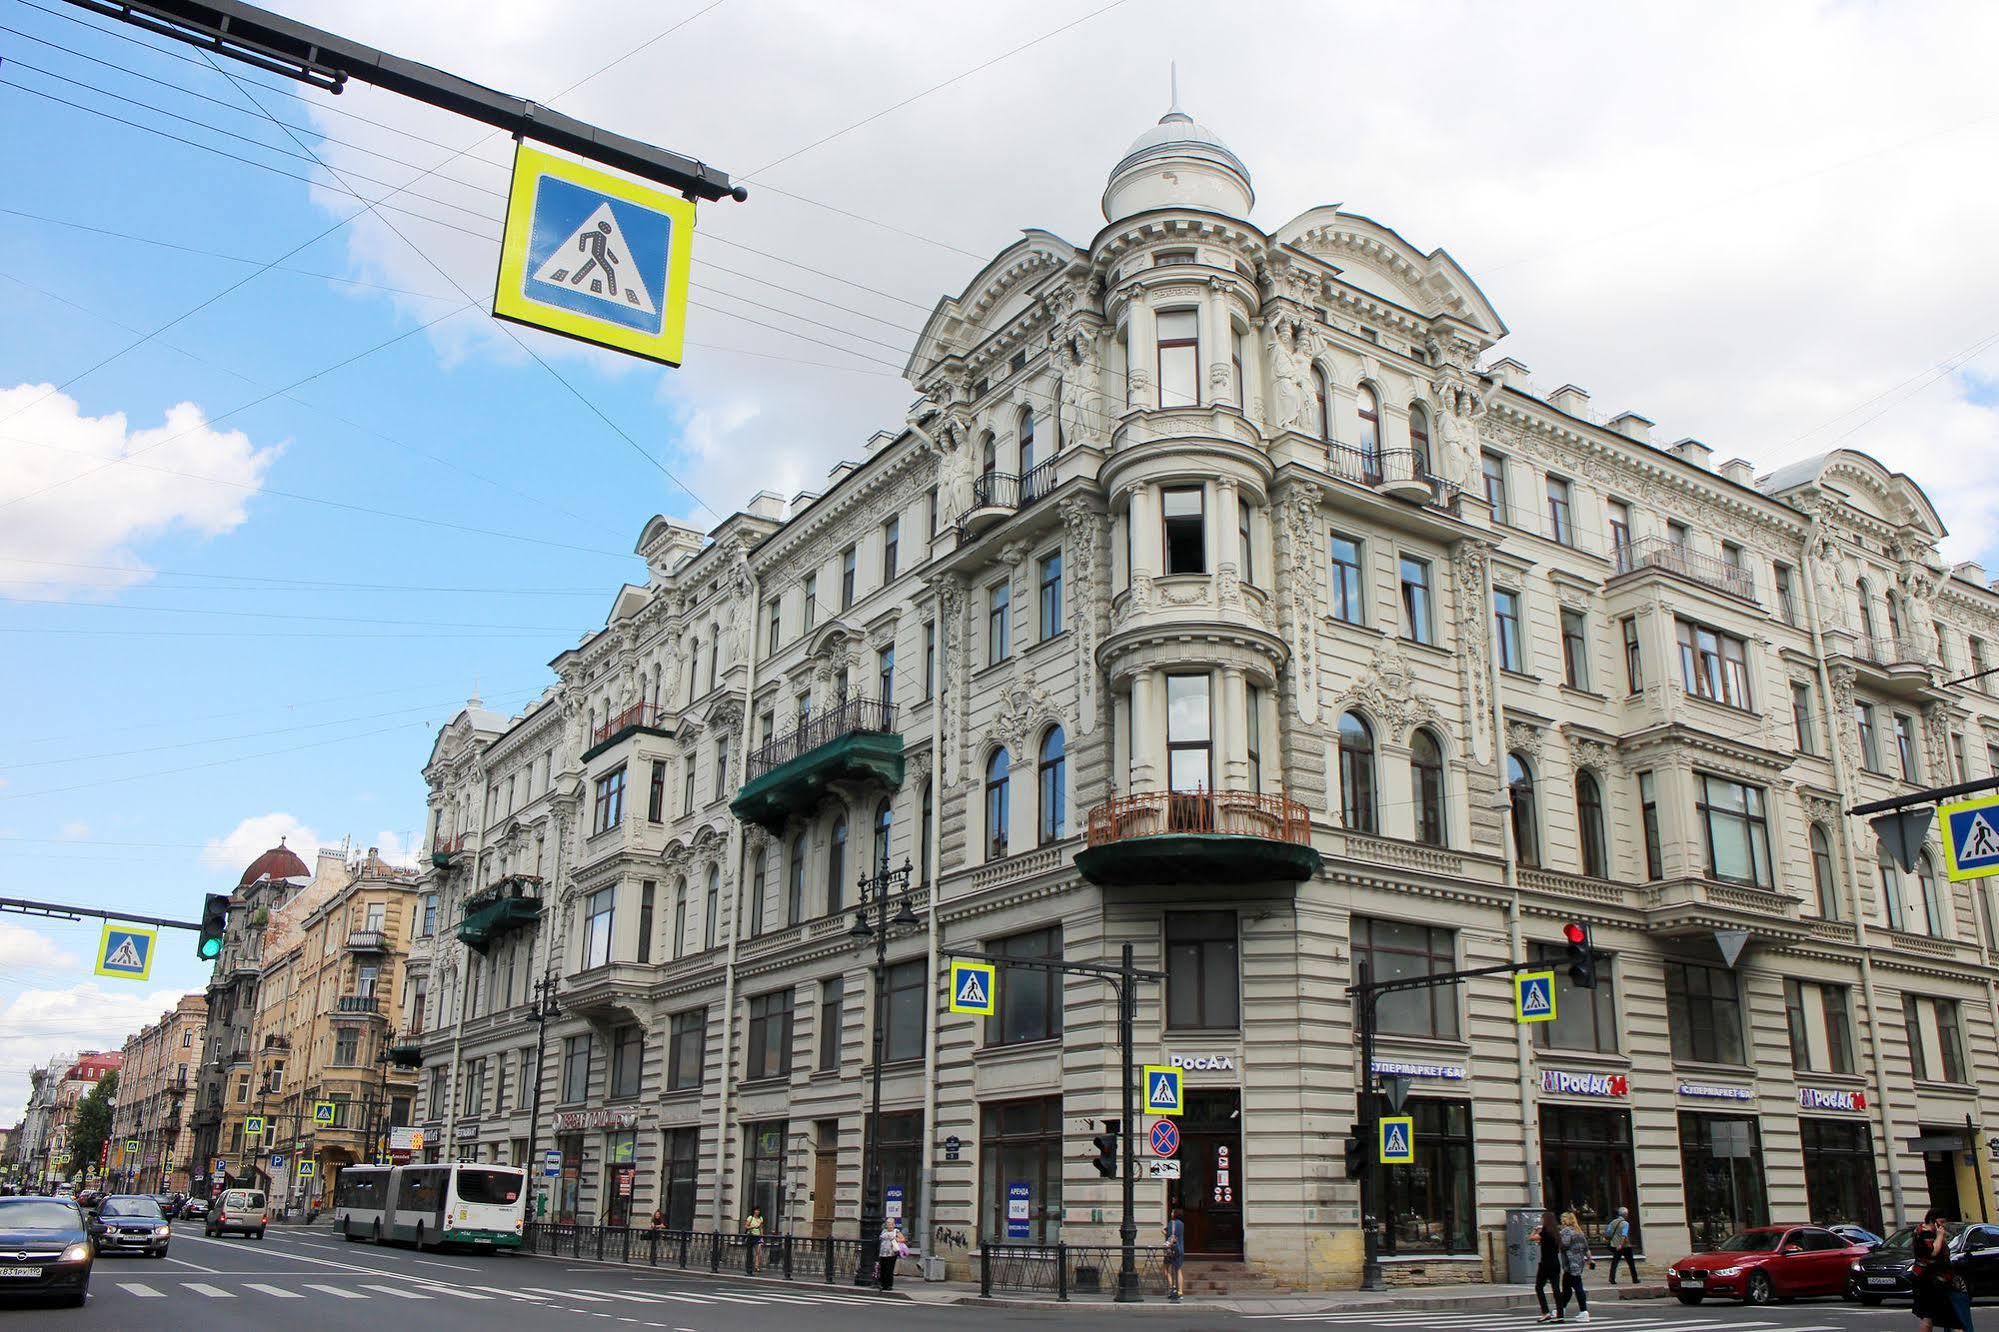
{"points": [[347, 1232], [378, 1232]]}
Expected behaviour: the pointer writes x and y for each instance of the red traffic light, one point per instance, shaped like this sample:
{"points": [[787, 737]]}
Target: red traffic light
{"points": [[1574, 932]]}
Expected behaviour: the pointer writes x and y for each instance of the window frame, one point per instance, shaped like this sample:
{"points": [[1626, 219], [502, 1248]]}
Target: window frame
{"points": [[1187, 532], [1575, 649], [1754, 817], [1506, 619], [1349, 577], [1213, 954], [1418, 618], [769, 1035], [1048, 602]]}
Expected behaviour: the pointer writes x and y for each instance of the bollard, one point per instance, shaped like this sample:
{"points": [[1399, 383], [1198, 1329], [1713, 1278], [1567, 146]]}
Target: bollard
{"points": [[1061, 1272]]}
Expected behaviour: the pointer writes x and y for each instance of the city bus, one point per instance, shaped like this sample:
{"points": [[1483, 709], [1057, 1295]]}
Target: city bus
{"points": [[432, 1205]]}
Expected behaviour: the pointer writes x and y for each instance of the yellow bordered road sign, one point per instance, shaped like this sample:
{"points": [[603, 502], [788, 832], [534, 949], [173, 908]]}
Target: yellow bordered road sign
{"points": [[322, 1112], [1162, 1090], [1970, 834], [253, 1126], [972, 988], [1534, 996], [1398, 1140], [126, 951], [307, 1167], [595, 256]]}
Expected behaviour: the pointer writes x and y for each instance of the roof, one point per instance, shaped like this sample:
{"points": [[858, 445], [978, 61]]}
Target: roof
{"points": [[1179, 135], [280, 862]]}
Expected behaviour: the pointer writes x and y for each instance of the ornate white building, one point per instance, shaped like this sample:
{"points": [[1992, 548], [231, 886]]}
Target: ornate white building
{"points": [[1224, 596]]}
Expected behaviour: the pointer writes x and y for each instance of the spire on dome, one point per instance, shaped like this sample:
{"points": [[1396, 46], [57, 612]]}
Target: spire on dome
{"points": [[1174, 112], [1178, 162]]}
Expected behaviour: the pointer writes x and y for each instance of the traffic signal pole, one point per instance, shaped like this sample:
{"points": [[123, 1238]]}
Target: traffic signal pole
{"points": [[57, 911]]}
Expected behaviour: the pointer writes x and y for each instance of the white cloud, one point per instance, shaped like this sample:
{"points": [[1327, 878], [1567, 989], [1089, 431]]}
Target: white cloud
{"points": [[37, 1025], [70, 509], [23, 947], [74, 831], [234, 850]]}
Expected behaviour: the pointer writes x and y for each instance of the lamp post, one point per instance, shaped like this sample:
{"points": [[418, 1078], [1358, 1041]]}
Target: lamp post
{"points": [[541, 1010], [875, 892]]}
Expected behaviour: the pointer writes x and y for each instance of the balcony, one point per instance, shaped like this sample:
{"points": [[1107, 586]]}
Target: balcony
{"points": [[444, 850], [512, 903], [615, 989], [1896, 667], [277, 1043], [1679, 908], [1162, 837], [406, 1049], [367, 941], [639, 718], [1670, 557], [856, 741], [351, 1004], [1402, 473]]}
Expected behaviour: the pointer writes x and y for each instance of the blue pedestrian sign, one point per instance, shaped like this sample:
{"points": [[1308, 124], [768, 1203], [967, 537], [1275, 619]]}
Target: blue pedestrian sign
{"points": [[1534, 996], [1398, 1140], [972, 988], [1019, 1200], [125, 951], [1162, 1090], [1970, 838]]}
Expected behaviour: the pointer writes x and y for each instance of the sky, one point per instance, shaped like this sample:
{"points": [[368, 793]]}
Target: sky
{"points": [[277, 495]]}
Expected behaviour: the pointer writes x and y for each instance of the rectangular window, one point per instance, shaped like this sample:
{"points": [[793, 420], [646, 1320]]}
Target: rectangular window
{"points": [[722, 762], [1506, 621], [885, 673], [1678, 534], [1051, 595], [1189, 733], [429, 914], [1796, 1026], [931, 508], [1561, 526], [576, 1068], [1203, 978], [597, 917], [832, 1003], [1584, 1019], [646, 894], [1185, 531], [1870, 743], [999, 623], [1801, 717], [902, 1022], [1029, 999], [1738, 831], [930, 660], [1714, 665], [1905, 748], [891, 548], [1417, 620], [1787, 601], [1575, 650], [656, 792], [770, 1035], [1398, 950], [346, 1045], [1427, 1207], [1950, 1040], [1704, 1013], [849, 562], [1347, 596], [1245, 542], [810, 611], [1492, 470], [1838, 1029], [1253, 735], [627, 1060], [1958, 763], [609, 809], [1619, 518], [1634, 660], [1021, 1151], [687, 1052], [1912, 1024], [1179, 358], [774, 629]]}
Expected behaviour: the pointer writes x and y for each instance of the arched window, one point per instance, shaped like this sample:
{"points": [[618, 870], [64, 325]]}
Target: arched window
{"points": [[996, 805], [1589, 826], [1822, 874], [794, 890], [1026, 441], [1052, 784], [927, 826], [1426, 783], [1419, 436], [989, 454], [1369, 404], [1891, 887], [1322, 404], [1866, 607], [1894, 615], [711, 910], [1526, 819], [1356, 773], [714, 653], [836, 866], [884, 824], [680, 915], [1927, 889], [758, 865]]}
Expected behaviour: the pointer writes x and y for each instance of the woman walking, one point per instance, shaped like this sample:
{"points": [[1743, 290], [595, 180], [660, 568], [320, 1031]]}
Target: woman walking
{"points": [[889, 1246], [1176, 1254], [1549, 1273], [1936, 1305], [1575, 1259]]}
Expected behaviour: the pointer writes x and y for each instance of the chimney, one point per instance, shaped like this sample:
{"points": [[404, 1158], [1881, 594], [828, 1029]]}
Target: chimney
{"points": [[880, 440], [1632, 426], [766, 504], [1568, 398], [1691, 450], [802, 501], [1971, 571], [1739, 470], [1509, 372], [841, 470]]}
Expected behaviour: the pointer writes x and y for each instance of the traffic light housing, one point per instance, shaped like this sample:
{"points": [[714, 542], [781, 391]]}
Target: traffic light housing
{"points": [[214, 921], [1356, 1149], [1582, 957], [1106, 1143]]}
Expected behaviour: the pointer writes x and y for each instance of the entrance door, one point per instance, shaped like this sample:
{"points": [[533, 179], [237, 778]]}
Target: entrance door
{"points": [[1209, 1192], [1941, 1170], [825, 1175]]}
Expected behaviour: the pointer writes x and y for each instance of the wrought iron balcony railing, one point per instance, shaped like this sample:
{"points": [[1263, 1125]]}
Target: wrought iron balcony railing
{"points": [[632, 718], [1674, 558], [1388, 467], [1275, 818], [851, 717]]}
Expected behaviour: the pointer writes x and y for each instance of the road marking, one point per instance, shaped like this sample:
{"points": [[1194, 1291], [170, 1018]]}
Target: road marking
{"points": [[182, 1262], [439, 1288], [513, 1294], [683, 1297], [277, 1291], [456, 1267], [212, 1292], [141, 1289], [567, 1294], [334, 1291], [396, 1291]]}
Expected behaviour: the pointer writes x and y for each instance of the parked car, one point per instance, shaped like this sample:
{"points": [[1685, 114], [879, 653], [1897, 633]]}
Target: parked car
{"points": [[193, 1209], [47, 1249], [241, 1210], [1856, 1235], [1884, 1273], [131, 1223], [1766, 1263]]}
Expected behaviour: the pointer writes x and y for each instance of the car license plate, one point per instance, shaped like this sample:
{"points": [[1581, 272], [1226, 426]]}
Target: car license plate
{"points": [[1880, 1281], [1695, 1282], [22, 1272]]}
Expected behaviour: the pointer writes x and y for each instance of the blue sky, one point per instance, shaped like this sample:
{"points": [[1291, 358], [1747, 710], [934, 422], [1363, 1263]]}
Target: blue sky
{"points": [[276, 652]]}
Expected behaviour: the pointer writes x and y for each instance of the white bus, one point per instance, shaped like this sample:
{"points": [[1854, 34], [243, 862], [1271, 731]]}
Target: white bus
{"points": [[431, 1205]]}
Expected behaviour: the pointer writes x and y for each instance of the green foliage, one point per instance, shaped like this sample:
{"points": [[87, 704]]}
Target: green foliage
{"points": [[93, 1121]]}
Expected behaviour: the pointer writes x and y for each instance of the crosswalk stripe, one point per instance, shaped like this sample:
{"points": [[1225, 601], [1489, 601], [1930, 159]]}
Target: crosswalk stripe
{"points": [[682, 1298], [514, 1294], [568, 1294], [334, 1291], [203, 1288], [141, 1289], [622, 1295], [278, 1291], [396, 1291], [439, 1288]]}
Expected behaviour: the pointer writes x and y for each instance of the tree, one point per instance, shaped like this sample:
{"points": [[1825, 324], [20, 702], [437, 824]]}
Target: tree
{"points": [[93, 1121]]}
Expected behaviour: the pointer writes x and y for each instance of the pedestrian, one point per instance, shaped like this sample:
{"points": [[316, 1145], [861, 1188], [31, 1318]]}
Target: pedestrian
{"points": [[1548, 1273], [753, 1232], [658, 1219], [1575, 1260], [1618, 1236], [1936, 1302], [889, 1246], [1176, 1255]]}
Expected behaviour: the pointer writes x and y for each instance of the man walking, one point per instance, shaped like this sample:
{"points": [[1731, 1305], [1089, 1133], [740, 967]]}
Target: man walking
{"points": [[1617, 1237]]}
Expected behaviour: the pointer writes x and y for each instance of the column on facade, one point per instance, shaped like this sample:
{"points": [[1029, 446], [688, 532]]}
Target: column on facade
{"points": [[1142, 520], [1148, 729], [1228, 525], [1230, 733], [1396, 788], [1142, 364], [1216, 344]]}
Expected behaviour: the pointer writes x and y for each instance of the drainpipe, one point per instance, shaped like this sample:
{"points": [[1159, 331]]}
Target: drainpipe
{"points": [[926, 1188], [1843, 779], [735, 854], [464, 992]]}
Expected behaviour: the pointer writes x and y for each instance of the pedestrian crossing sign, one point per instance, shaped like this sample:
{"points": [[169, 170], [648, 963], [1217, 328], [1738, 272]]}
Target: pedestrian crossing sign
{"points": [[322, 1112], [1162, 1090], [125, 951], [1534, 996], [972, 988], [307, 1167], [1398, 1140], [595, 256], [253, 1126], [1970, 831]]}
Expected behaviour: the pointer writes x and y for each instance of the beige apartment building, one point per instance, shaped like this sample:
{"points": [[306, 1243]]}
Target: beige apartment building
{"points": [[1227, 594], [156, 1102]]}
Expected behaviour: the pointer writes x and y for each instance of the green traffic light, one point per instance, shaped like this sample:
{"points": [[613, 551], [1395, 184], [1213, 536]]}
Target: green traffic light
{"points": [[210, 948]]}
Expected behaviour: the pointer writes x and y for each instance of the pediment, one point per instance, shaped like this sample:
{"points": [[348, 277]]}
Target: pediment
{"points": [[1376, 259]]}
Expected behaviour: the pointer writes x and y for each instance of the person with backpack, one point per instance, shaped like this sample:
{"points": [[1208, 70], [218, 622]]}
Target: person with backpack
{"points": [[1176, 1255], [1617, 1238]]}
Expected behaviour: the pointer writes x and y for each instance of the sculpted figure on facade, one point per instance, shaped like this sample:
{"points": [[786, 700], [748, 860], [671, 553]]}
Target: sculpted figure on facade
{"points": [[1822, 556], [1468, 567], [1298, 511], [1081, 531], [1920, 610], [1291, 400], [1082, 413]]}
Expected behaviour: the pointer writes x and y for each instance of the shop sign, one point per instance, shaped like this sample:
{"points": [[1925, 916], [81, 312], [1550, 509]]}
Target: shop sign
{"points": [[465, 1130], [576, 1121], [1203, 1063], [405, 1139], [1826, 1098], [1585, 1084], [892, 1202], [1399, 1068], [1018, 1199], [1708, 1091]]}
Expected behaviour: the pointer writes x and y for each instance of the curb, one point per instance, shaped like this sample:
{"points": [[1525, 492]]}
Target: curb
{"points": [[705, 1275]]}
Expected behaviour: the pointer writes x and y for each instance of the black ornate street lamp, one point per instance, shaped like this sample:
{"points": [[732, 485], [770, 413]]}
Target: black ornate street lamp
{"points": [[541, 1010], [875, 893]]}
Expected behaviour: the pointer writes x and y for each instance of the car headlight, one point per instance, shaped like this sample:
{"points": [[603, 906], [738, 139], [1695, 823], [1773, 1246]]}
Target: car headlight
{"points": [[1728, 1271], [1855, 1266], [162, 1232], [77, 1253]]}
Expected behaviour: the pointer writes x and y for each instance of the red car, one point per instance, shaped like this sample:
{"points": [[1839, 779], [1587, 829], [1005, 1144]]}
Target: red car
{"points": [[1766, 1263]]}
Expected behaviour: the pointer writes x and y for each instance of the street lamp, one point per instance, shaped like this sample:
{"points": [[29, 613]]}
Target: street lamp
{"points": [[541, 1010], [875, 893]]}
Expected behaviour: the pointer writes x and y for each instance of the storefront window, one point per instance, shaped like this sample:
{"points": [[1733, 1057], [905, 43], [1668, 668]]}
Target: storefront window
{"points": [[1587, 1166], [621, 1155], [1020, 1149], [566, 1197], [899, 1146], [678, 1173], [763, 1170], [1427, 1207], [1721, 1162], [1840, 1183]]}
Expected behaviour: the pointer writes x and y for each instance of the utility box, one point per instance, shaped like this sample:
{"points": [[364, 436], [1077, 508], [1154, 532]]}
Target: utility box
{"points": [[1523, 1254]]}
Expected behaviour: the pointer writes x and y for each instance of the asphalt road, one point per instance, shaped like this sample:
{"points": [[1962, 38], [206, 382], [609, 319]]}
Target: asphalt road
{"points": [[1632, 1316]]}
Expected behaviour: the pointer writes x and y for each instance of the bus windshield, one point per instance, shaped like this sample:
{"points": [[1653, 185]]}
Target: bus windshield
{"points": [[492, 1187]]}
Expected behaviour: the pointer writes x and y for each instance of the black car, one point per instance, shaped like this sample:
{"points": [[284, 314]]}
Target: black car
{"points": [[1884, 1273], [45, 1249], [194, 1208], [131, 1223]]}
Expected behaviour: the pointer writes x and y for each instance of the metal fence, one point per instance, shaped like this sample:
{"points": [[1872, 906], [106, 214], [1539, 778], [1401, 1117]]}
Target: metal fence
{"points": [[848, 717], [826, 1259], [1066, 1270]]}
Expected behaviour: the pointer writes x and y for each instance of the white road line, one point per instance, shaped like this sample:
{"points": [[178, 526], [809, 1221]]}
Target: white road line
{"points": [[456, 1267], [141, 1289], [396, 1291], [440, 1288], [334, 1291], [682, 1297], [212, 1292], [622, 1295], [512, 1294], [278, 1292], [182, 1262], [568, 1294]]}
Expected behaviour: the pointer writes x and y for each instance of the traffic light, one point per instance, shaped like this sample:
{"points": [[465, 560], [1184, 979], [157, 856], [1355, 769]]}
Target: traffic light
{"points": [[214, 920], [1356, 1146], [1106, 1143], [1582, 957]]}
